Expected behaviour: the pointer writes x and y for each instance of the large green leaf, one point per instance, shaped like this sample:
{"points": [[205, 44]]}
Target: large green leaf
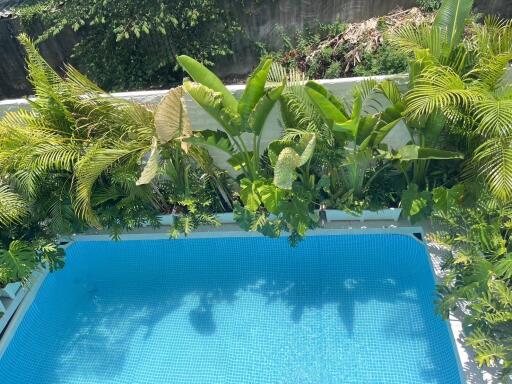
{"points": [[254, 90], [19, 260], [415, 204], [151, 169], [415, 152], [215, 139], [263, 108], [204, 76], [328, 110], [171, 119], [378, 135], [249, 193], [351, 127], [327, 94], [271, 197], [446, 199], [211, 102], [451, 19], [288, 160]]}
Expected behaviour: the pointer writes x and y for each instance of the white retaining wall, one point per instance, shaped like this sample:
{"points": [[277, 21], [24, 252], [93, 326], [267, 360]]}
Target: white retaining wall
{"points": [[200, 120]]}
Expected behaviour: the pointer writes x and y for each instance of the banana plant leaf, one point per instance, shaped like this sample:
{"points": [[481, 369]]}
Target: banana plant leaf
{"points": [[263, 107], [211, 102], [351, 127], [204, 76], [254, 90], [415, 152], [451, 19], [330, 111], [328, 95], [375, 138]]}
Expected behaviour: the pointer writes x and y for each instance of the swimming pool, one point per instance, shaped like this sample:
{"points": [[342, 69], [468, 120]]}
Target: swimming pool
{"points": [[248, 310]]}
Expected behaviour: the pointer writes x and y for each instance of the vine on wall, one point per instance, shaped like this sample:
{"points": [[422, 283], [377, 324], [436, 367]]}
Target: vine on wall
{"points": [[133, 45]]}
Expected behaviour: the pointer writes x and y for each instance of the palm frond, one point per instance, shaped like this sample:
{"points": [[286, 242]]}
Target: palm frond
{"points": [[494, 163], [13, 207], [88, 169], [439, 88]]}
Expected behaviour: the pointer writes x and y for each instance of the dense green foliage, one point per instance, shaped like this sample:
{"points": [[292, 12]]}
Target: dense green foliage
{"points": [[476, 228], [74, 161], [429, 5], [81, 158], [136, 40]]}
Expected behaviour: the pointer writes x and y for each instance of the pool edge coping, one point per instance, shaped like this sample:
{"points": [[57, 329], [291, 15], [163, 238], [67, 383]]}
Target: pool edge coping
{"points": [[468, 369]]}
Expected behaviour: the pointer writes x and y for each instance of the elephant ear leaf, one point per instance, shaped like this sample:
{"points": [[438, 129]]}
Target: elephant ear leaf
{"points": [[289, 160], [204, 76], [171, 118], [284, 171], [254, 90], [150, 170]]}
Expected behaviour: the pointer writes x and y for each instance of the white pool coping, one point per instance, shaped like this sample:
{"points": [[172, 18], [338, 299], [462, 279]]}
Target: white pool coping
{"points": [[468, 368]]}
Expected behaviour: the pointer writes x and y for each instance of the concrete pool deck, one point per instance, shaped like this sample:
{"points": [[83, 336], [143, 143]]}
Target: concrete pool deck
{"points": [[469, 369]]}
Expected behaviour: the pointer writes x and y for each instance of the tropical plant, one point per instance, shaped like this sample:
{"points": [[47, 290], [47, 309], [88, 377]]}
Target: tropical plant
{"points": [[478, 270], [236, 118], [12, 206], [463, 81], [440, 43], [136, 41], [70, 141], [357, 133], [20, 258], [263, 191]]}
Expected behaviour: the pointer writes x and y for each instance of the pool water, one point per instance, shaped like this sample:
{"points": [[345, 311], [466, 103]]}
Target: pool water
{"points": [[335, 309]]}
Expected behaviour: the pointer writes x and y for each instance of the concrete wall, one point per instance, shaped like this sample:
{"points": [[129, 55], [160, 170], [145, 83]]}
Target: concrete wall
{"points": [[200, 120]]}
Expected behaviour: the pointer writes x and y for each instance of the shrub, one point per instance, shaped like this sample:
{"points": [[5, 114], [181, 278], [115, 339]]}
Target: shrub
{"points": [[384, 61], [133, 45], [429, 5], [333, 71]]}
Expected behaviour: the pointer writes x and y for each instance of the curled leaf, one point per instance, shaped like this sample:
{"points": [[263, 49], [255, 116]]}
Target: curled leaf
{"points": [[150, 170], [171, 118]]}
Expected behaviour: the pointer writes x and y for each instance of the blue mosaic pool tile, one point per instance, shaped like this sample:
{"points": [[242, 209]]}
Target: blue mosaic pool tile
{"points": [[336, 309]]}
